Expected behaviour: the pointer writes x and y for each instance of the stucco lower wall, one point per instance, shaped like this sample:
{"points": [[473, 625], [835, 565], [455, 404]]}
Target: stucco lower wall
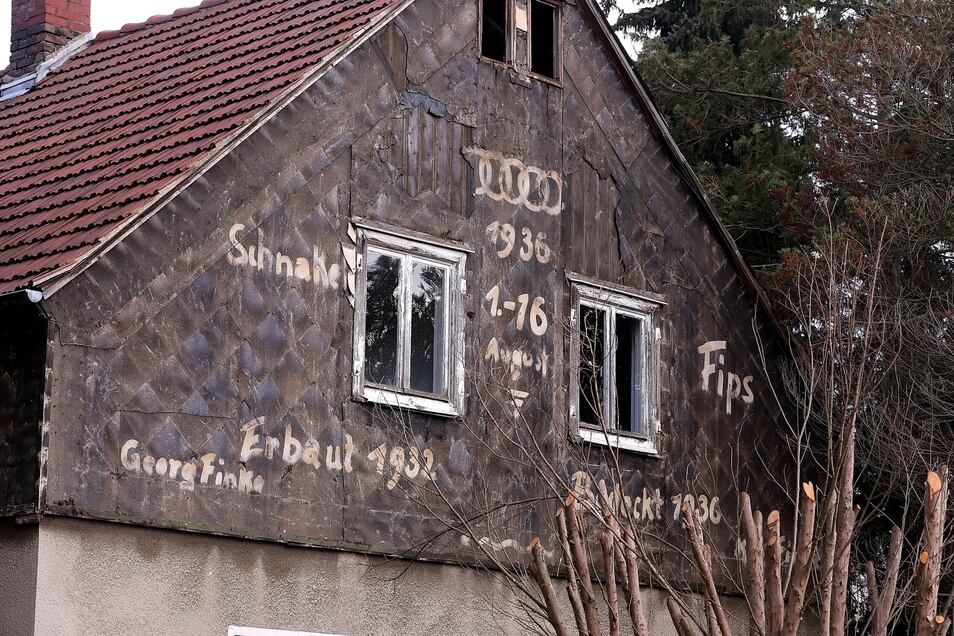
{"points": [[18, 559], [107, 578], [103, 578]]}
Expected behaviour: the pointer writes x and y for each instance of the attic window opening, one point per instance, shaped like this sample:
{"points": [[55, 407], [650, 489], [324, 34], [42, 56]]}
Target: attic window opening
{"points": [[495, 30], [544, 39]]}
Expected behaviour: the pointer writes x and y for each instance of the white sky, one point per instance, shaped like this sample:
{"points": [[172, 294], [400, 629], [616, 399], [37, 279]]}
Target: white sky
{"points": [[106, 16], [112, 14]]}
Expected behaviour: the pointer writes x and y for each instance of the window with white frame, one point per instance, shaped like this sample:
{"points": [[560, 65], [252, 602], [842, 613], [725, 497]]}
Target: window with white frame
{"points": [[614, 398], [235, 630], [409, 323]]}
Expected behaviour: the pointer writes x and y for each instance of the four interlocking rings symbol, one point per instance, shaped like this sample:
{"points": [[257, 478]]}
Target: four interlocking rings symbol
{"points": [[517, 183]]}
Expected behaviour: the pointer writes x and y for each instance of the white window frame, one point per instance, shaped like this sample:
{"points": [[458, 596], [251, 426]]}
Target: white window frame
{"points": [[453, 258], [616, 300], [236, 630]]}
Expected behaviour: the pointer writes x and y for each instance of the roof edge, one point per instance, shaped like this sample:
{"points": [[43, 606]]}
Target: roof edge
{"points": [[686, 172], [53, 281]]}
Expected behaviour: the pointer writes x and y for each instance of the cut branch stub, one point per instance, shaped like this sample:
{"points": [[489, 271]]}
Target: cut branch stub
{"points": [[604, 499], [704, 567], [929, 570], [751, 525], [538, 569], [775, 602], [798, 584]]}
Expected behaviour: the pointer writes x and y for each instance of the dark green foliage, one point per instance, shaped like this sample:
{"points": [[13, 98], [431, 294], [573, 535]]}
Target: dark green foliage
{"points": [[824, 135], [717, 72]]}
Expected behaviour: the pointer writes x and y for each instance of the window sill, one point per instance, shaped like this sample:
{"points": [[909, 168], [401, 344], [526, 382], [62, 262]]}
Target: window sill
{"points": [[546, 79], [622, 442], [394, 400]]}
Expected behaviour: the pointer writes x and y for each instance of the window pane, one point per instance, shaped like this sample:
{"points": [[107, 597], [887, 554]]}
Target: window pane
{"points": [[629, 373], [592, 358], [428, 337], [494, 31], [381, 321], [543, 39]]}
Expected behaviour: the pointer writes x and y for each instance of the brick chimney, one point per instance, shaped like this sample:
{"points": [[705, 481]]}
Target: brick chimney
{"points": [[40, 28]]}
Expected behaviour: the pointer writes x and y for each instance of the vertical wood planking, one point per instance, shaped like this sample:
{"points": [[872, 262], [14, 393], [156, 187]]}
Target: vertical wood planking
{"points": [[442, 159], [413, 150], [428, 153]]}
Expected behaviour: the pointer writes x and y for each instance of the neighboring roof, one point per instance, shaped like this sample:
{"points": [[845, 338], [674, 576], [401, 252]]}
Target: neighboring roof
{"points": [[104, 136]]}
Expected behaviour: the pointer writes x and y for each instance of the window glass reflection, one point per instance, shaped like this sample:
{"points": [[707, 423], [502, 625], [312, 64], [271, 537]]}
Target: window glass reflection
{"points": [[629, 373], [592, 334], [381, 326], [428, 328]]}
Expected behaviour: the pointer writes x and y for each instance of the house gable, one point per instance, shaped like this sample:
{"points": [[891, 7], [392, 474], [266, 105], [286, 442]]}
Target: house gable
{"points": [[175, 348]]}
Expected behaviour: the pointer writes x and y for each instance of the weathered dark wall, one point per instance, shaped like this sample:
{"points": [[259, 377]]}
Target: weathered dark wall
{"points": [[23, 347], [166, 348]]}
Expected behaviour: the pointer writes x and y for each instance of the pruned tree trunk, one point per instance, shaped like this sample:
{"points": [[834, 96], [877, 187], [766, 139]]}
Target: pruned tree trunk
{"points": [[577, 542], [798, 584], [678, 619], [751, 526], [935, 509], [538, 569], [775, 603], [636, 613], [712, 623], [624, 544], [572, 582], [701, 556], [607, 540], [884, 601], [871, 580], [845, 530], [825, 570]]}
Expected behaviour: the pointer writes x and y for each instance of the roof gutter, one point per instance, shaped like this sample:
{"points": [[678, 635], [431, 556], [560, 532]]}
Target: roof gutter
{"points": [[23, 296]]}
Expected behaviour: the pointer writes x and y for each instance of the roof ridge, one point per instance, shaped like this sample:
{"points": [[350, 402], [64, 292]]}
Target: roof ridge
{"points": [[130, 27]]}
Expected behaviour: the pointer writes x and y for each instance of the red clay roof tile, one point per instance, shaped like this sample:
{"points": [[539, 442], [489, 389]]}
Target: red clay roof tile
{"points": [[99, 138]]}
